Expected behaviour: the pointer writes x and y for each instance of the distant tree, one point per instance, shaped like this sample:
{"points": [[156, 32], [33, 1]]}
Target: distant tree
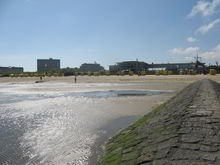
{"points": [[130, 73], [212, 72]]}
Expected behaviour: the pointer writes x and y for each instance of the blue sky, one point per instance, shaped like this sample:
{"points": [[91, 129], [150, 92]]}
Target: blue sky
{"points": [[108, 31]]}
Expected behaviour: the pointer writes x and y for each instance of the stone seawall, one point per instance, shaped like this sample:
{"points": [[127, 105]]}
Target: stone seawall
{"points": [[183, 131]]}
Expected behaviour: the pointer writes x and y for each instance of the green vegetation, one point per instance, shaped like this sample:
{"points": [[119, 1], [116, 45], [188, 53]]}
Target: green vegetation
{"points": [[193, 72], [163, 72], [170, 72], [76, 71], [143, 73], [33, 74], [188, 72], [90, 73], [212, 72], [107, 73], [5, 75], [127, 138], [96, 73], [157, 73], [120, 73], [125, 145], [130, 73]]}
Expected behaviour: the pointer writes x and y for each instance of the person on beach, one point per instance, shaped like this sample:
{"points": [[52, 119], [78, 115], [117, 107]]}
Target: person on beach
{"points": [[75, 79]]}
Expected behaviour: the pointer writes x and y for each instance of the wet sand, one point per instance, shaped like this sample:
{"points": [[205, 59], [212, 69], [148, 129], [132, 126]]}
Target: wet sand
{"points": [[69, 129]]}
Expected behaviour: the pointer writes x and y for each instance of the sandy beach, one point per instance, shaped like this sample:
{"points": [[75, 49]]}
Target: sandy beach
{"points": [[113, 79], [60, 122]]}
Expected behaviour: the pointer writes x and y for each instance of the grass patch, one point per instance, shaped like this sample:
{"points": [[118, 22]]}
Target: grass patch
{"points": [[133, 137], [125, 139]]}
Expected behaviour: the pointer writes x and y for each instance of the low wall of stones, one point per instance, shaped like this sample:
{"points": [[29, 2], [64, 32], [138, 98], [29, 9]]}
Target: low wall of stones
{"points": [[183, 131]]}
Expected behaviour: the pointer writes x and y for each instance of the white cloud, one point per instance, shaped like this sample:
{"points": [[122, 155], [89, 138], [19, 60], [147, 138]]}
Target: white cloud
{"points": [[189, 58], [191, 39], [207, 27], [212, 55], [205, 8], [189, 53], [184, 51]]}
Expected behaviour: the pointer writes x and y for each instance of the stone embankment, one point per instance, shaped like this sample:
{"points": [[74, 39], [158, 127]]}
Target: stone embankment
{"points": [[183, 131]]}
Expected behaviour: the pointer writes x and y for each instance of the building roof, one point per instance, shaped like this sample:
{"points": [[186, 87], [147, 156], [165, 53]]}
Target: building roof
{"points": [[48, 59], [10, 67], [176, 63]]}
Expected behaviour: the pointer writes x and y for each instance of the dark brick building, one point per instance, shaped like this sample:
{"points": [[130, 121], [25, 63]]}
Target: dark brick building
{"points": [[47, 65]]}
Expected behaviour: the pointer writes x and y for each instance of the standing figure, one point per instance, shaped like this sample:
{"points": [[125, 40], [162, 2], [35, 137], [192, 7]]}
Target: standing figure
{"points": [[75, 78]]}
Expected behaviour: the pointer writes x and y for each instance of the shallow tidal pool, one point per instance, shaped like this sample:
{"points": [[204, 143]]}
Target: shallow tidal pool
{"points": [[63, 123]]}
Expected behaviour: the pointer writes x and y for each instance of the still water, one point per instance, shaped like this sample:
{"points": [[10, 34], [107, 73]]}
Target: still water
{"points": [[60, 123]]}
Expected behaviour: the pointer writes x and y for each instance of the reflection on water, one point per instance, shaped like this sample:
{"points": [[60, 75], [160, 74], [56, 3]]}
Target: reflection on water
{"points": [[56, 128], [117, 93]]}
